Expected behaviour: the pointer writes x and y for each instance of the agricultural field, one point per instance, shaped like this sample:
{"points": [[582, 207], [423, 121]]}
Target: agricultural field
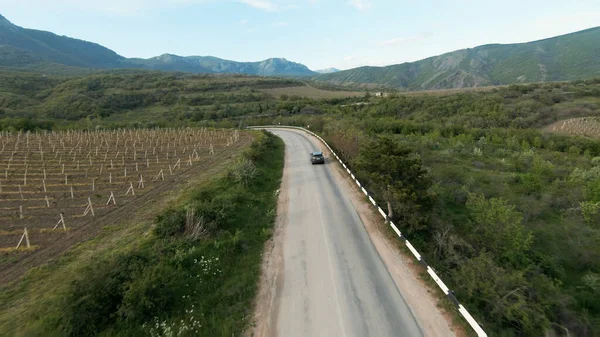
{"points": [[58, 188], [583, 126], [310, 92]]}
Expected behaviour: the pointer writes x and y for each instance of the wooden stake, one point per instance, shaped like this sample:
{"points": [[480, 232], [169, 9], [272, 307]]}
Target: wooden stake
{"points": [[160, 174], [130, 189], [24, 236], [111, 197], [21, 193], [61, 221], [47, 201], [21, 212], [72, 193], [93, 184], [89, 208], [141, 182]]}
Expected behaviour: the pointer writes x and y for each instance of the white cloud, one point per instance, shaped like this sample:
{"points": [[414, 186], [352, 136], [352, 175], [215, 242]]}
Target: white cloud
{"points": [[260, 4], [360, 4], [243, 22], [402, 40], [280, 24]]}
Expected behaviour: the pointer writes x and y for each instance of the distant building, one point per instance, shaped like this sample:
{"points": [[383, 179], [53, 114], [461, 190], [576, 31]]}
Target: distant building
{"points": [[379, 94]]}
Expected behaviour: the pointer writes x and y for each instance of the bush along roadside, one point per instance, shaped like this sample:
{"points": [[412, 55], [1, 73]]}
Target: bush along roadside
{"points": [[197, 274]]}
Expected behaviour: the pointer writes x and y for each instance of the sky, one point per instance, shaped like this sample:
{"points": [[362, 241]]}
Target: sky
{"points": [[318, 33]]}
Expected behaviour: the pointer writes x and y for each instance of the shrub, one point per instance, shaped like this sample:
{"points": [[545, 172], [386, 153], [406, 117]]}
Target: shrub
{"points": [[170, 223], [243, 171], [151, 294]]}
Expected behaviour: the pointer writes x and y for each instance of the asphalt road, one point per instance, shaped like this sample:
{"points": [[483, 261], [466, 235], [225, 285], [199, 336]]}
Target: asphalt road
{"points": [[334, 282]]}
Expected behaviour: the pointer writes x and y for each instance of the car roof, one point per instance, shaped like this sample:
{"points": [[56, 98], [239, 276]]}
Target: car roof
{"points": [[317, 153]]}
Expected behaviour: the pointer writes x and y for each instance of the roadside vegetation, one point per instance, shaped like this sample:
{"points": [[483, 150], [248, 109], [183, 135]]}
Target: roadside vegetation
{"points": [[506, 212], [194, 274]]}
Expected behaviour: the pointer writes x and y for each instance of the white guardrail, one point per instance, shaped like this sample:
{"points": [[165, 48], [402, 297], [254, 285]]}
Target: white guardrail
{"points": [[472, 322]]}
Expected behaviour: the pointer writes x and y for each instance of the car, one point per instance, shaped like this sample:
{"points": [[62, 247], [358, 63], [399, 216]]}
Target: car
{"points": [[317, 158]]}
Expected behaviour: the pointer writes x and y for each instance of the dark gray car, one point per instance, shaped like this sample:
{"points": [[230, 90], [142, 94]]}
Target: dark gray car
{"points": [[317, 158]]}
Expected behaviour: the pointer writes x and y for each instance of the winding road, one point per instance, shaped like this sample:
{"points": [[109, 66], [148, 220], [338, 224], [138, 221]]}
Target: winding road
{"points": [[333, 281]]}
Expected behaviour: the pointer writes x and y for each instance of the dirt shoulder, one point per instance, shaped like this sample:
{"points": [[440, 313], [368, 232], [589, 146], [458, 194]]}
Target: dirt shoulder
{"points": [[264, 320]]}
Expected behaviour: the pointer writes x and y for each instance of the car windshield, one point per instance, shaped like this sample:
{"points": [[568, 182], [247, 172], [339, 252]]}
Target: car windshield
{"points": [[317, 155]]}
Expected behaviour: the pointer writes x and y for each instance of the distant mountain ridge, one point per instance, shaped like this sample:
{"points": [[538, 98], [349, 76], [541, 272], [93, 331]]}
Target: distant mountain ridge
{"points": [[20, 43], [29, 48], [210, 64], [566, 57]]}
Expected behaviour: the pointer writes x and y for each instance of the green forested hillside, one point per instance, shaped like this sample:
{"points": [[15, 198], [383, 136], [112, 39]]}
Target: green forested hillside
{"points": [[29, 99], [567, 57]]}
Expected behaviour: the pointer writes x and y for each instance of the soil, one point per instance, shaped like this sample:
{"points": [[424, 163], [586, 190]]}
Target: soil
{"points": [[53, 244]]}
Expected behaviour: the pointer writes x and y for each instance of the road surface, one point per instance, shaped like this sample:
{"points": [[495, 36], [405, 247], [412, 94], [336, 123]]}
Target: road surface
{"points": [[334, 283]]}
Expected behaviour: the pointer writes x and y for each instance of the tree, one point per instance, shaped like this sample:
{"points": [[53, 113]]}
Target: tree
{"points": [[396, 175], [506, 297], [498, 227]]}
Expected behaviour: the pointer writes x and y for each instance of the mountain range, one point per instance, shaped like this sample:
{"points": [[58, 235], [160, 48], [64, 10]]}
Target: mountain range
{"points": [[35, 49], [566, 57]]}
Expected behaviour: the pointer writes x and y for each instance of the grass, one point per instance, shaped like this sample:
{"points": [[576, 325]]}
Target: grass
{"points": [[152, 278], [21, 249], [310, 92]]}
